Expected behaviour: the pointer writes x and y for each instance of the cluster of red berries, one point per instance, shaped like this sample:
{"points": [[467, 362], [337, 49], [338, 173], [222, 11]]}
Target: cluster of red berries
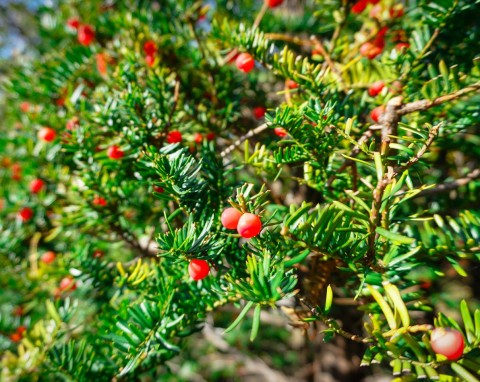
{"points": [[360, 5], [150, 49], [99, 201], [85, 32], [247, 224], [17, 336], [372, 49]]}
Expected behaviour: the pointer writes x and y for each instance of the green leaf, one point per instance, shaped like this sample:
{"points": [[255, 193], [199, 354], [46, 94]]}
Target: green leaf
{"points": [[394, 237], [240, 317], [256, 322], [463, 373], [328, 299]]}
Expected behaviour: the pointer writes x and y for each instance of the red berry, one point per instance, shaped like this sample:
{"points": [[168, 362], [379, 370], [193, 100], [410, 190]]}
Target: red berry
{"points": [[198, 138], [174, 136], [245, 62], [158, 189], [280, 132], [397, 11], [359, 6], [73, 22], [370, 50], [150, 60], [18, 311], [25, 107], [377, 112], [230, 217], [448, 342], [15, 337], [21, 329], [150, 48], [48, 257], [259, 112], [210, 136], [249, 225], [198, 269], [67, 283], [47, 134], [36, 186], [115, 152], [16, 171], [25, 214], [85, 35], [402, 46], [97, 254], [101, 59], [376, 88], [273, 3], [291, 84], [99, 201], [72, 123]]}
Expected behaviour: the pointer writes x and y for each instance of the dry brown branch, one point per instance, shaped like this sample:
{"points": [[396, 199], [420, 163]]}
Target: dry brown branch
{"points": [[425, 104]]}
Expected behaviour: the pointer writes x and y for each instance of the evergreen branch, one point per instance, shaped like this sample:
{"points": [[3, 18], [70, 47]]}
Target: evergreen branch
{"points": [[444, 187], [319, 45], [355, 151], [425, 104], [431, 136], [389, 122]]}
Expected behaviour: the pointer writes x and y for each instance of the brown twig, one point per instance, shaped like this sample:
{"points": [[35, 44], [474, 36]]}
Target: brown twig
{"points": [[427, 104], [444, 187], [288, 38], [431, 136], [389, 122], [260, 15], [239, 141]]}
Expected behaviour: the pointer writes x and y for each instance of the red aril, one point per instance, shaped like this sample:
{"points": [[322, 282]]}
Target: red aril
{"points": [[259, 112], [48, 257], [36, 186], [198, 269], [377, 112], [280, 132], [376, 88], [230, 217], [245, 62], [448, 342], [273, 3], [249, 225], [174, 136], [85, 35], [115, 152], [25, 214], [46, 134]]}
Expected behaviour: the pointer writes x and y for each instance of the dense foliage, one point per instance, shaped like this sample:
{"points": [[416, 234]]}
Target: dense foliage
{"points": [[128, 127]]}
